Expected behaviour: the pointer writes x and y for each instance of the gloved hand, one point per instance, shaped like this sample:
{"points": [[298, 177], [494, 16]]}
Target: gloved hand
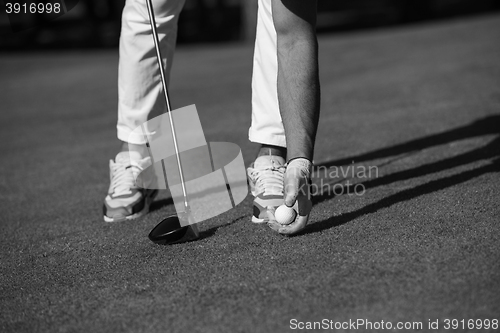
{"points": [[297, 195]]}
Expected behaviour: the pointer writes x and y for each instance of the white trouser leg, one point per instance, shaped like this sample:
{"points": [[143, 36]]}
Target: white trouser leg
{"points": [[267, 126], [139, 87]]}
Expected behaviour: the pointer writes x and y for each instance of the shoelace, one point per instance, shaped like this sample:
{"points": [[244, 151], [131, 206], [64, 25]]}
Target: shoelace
{"points": [[269, 180], [124, 177]]}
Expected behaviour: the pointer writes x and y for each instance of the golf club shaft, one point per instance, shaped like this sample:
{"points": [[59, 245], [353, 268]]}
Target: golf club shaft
{"points": [[152, 21]]}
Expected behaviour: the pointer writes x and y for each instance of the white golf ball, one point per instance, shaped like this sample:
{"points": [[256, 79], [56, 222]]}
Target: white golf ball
{"points": [[285, 214]]}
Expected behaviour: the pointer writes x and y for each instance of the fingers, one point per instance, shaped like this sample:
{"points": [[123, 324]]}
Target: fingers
{"points": [[297, 173], [292, 185], [289, 229], [275, 226], [294, 227], [272, 223], [296, 195], [271, 213]]}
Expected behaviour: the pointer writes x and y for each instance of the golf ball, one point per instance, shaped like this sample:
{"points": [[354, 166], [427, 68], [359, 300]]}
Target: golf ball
{"points": [[285, 214]]}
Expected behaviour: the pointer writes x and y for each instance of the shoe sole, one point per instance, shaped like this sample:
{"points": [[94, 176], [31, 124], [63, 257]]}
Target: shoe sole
{"points": [[149, 200], [256, 220]]}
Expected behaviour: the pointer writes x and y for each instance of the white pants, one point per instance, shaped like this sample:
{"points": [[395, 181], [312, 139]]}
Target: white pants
{"points": [[140, 92]]}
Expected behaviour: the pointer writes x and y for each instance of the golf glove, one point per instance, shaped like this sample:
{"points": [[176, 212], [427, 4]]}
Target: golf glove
{"points": [[297, 195]]}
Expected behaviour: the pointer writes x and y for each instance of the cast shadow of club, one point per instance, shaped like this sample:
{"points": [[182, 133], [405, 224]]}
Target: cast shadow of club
{"points": [[211, 231], [159, 204], [490, 153]]}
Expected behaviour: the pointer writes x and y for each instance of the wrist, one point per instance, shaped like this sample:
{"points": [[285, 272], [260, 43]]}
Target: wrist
{"points": [[300, 163], [306, 151]]}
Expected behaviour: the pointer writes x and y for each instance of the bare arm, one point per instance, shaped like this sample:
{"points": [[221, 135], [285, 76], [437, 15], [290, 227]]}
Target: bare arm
{"points": [[299, 102], [298, 77]]}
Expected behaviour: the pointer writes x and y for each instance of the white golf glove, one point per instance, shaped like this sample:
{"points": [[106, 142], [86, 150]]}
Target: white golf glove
{"points": [[297, 195]]}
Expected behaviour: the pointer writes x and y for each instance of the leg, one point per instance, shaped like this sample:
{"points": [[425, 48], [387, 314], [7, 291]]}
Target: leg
{"points": [[139, 99], [139, 90], [267, 126], [266, 174]]}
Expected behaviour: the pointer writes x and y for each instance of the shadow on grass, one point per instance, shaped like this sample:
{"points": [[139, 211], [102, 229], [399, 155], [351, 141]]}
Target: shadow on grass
{"points": [[210, 232], [486, 126], [159, 204]]}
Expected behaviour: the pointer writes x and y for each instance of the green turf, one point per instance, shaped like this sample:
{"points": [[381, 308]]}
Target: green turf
{"points": [[421, 103]]}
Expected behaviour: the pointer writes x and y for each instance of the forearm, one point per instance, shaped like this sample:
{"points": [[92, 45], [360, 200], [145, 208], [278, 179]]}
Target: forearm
{"points": [[299, 96], [298, 77]]}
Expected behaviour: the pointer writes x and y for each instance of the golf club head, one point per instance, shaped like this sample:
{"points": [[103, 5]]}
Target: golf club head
{"points": [[169, 231]]}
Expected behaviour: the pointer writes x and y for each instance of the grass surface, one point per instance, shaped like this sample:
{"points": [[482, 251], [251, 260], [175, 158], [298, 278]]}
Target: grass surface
{"points": [[422, 104]]}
